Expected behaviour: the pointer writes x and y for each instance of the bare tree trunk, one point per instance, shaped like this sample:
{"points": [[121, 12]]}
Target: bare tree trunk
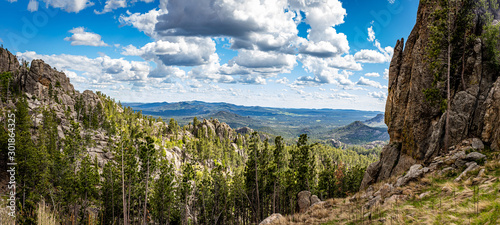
{"points": [[257, 218], [274, 197], [446, 135], [463, 60], [112, 194], [128, 205], [125, 219], [146, 197]]}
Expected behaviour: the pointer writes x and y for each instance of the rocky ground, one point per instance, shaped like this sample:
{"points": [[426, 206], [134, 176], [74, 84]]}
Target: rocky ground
{"points": [[460, 187]]}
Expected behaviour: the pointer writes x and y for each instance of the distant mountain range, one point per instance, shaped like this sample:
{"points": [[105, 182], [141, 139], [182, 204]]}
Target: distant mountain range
{"points": [[286, 122]]}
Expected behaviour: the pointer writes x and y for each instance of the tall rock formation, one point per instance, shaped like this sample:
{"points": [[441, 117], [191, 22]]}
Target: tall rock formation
{"points": [[416, 122]]}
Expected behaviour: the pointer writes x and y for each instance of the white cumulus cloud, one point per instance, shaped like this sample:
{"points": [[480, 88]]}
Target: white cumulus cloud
{"points": [[176, 51], [372, 74], [386, 74], [370, 56], [100, 70], [378, 95], [367, 82], [69, 5], [82, 37]]}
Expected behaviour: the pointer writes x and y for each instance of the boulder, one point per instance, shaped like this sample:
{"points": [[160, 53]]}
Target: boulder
{"points": [[459, 163], [314, 199], [475, 156], [386, 189], [470, 167], [477, 144], [446, 170], [394, 199], [303, 201], [423, 195], [377, 200], [271, 219], [382, 169], [415, 172]]}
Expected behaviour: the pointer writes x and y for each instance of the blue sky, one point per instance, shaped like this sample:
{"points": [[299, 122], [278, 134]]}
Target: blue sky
{"points": [[278, 53]]}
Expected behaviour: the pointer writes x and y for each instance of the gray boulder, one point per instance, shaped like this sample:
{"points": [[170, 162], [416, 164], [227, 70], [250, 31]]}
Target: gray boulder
{"points": [[303, 201], [475, 156], [270, 219], [415, 172], [470, 167], [314, 199]]}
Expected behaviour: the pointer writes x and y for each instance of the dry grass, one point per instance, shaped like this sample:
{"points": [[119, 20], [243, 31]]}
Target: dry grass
{"points": [[45, 215], [4, 213]]}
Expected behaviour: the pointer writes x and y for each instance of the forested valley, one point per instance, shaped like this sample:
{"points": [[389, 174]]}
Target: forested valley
{"points": [[97, 162]]}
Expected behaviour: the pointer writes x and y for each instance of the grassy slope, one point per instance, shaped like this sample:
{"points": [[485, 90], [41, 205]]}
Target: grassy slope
{"points": [[446, 202]]}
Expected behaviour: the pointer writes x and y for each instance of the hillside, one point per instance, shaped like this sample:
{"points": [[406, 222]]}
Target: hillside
{"points": [[286, 122], [439, 194]]}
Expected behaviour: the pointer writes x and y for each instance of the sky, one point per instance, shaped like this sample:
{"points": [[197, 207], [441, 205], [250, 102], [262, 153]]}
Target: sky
{"points": [[273, 53]]}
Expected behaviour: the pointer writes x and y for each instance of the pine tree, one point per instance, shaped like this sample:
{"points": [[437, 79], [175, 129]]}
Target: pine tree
{"points": [[164, 194], [88, 181], [304, 161], [277, 171], [148, 162], [26, 164], [110, 193], [251, 175]]}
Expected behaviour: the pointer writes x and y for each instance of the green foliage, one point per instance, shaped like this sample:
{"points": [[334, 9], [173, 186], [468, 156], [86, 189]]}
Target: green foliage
{"points": [[164, 195], [5, 79], [490, 37], [435, 98]]}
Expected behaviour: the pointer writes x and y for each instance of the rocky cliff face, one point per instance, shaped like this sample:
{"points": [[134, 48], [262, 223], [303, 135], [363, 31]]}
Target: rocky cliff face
{"points": [[415, 125]]}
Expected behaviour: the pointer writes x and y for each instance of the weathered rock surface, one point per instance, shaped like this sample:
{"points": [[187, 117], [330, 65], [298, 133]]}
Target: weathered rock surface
{"points": [[475, 156], [470, 167], [417, 126], [214, 128], [314, 199], [415, 172], [271, 219], [303, 201]]}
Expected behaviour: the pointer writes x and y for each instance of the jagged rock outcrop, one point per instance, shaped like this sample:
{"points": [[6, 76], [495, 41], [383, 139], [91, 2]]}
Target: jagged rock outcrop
{"points": [[8, 61], [416, 125], [45, 88], [214, 128]]}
